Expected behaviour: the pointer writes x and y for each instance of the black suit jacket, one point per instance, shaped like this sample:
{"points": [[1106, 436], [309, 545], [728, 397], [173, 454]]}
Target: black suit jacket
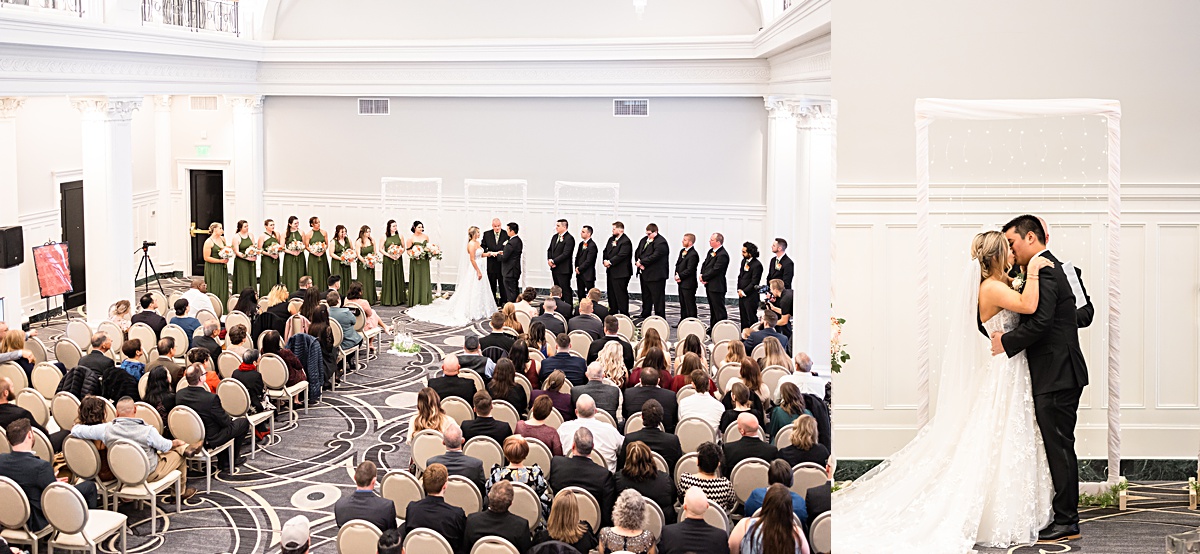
{"points": [[297, 294], [582, 472], [685, 268], [585, 260], [453, 386], [492, 244], [1050, 336], [486, 427], [659, 490], [508, 526], [783, 269], [664, 443], [217, 423], [618, 252], [33, 475], [692, 536], [749, 275], [560, 307], [551, 323], [560, 252], [510, 258], [209, 344], [747, 447], [637, 395], [433, 513], [458, 463], [598, 345], [818, 500], [713, 270], [253, 382], [502, 340], [655, 258], [155, 321], [368, 506], [587, 323], [97, 361], [10, 412], [599, 310]]}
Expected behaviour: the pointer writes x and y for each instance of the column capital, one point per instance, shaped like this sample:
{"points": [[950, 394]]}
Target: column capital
{"points": [[779, 107], [252, 103], [9, 106], [814, 116], [162, 102], [108, 108]]}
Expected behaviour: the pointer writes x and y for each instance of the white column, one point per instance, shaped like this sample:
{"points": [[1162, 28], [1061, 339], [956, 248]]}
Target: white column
{"points": [[781, 171], [248, 159], [170, 228], [813, 217], [10, 279], [107, 197]]}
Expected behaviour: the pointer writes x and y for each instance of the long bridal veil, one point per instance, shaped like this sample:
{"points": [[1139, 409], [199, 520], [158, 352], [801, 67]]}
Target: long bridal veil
{"points": [[470, 300]]}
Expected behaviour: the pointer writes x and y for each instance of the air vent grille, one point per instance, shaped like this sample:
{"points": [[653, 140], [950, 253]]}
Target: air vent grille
{"points": [[203, 103], [631, 108], [373, 106]]}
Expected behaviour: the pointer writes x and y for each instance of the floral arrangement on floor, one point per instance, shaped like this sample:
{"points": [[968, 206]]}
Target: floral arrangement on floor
{"points": [[369, 261], [226, 253], [837, 351], [1104, 499], [348, 256], [404, 345], [316, 248]]}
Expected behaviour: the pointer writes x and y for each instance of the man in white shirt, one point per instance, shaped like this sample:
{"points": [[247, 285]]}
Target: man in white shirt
{"points": [[803, 378], [605, 438], [701, 404], [197, 299]]}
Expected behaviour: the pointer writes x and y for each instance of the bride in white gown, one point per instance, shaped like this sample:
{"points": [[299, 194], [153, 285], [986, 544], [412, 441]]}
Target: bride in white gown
{"points": [[977, 472], [472, 298]]}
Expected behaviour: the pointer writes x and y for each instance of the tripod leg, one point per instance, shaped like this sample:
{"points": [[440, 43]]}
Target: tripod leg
{"points": [[141, 264], [157, 281]]}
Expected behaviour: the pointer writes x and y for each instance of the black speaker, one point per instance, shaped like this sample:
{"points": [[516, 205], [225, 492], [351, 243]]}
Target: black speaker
{"points": [[12, 247]]}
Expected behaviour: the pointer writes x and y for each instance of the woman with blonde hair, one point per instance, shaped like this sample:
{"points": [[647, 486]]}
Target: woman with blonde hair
{"points": [[429, 414], [775, 355], [613, 359], [472, 299], [120, 314], [734, 354], [804, 446], [510, 317], [14, 341], [216, 267], [564, 524]]}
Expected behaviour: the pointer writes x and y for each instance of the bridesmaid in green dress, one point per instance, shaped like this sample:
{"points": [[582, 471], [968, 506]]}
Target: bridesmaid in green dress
{"points": [[216, 268], [244, 266], [420, 285], [394, 293], [366, 275], [318, 265], [341, 243], [269, 268], [293, 260]]}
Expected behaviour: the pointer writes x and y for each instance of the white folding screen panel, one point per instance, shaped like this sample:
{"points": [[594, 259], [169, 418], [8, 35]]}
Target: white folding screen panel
{"points": [[507, 199], [411, 199]]}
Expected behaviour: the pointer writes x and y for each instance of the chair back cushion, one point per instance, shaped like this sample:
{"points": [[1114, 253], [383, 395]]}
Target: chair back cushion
{"points": [[32, 400], [494, 545], [426, 444], [186, 424], [485, 449], [526, 504], [235, 399], [822, 534], [807, 475], [14, 505], [463, 493], [65, 408], [426, 541], [274, 371], [82, 457], [401, 487], [589, 508], [64, 507], [458, 409], [130, 464], [357, 536], [747, 475]]}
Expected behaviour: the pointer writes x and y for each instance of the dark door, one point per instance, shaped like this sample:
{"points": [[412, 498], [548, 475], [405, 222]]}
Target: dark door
{"points": [[71, 212], [207, 190]]}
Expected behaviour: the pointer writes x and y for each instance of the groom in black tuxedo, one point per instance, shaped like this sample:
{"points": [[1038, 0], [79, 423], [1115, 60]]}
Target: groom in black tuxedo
{"points": [[558, 257], [1050, 338], [510, 263], [494, 241]]}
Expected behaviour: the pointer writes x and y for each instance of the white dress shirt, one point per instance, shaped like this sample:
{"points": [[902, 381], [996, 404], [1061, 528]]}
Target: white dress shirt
{"points": [[703, 406], [605, 438], [196, 301]]}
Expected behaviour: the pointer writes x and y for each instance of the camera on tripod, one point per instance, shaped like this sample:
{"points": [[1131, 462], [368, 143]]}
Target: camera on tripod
{"points": [[147, 244]]}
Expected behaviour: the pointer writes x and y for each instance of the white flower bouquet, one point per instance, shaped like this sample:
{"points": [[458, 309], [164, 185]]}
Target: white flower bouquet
{"points": [[395, 251], [295, 247], [226, 253], [252, 253], [404, 345], [369, 261], [275, 249], [348, 256], [316, 248]]}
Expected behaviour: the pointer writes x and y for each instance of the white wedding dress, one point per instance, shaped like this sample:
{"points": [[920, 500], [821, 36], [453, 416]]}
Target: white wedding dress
{"points": [[472, 298], [975, 474]]}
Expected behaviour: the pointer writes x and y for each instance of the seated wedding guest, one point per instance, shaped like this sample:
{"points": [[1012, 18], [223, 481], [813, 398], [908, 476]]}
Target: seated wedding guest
{"points": [[547, 319], [536, 337], [334, 284], [210, 340], [484, 425], [302, 287], [159, 393], [350, 338], [819, 499], [97, 360], [535, 427], [389, 543], [433, 513], [605, 438], [430, 414], [611, 334], [649, 390], [693, 535], [473, 359], [613, 361], [456, 462], [804, 446], [248, 375], [34, 474], [750, 375], [562, 307], [749, 446], [247, 304], [211, 379], [659, 441], [117, 381], [149, 314], [692, 345], [239, 340], [509, 310], [657, 359], [565, 525], [573, 367], [627, 533], [740, 396], [753, 338], [294, 537], [775, 355], [651, 339], [518, 354], [561, 400], [586, 321], [188, 323], [497, 337], [640, 474], [197, 298], [600, 309], [775, 529], [708, 477], [450, 383], [791, 406], [524, 302], [364, 503], [14, 341], [516, 450], [272, 343], [120, 313], [803, 378], [10, 412], [607, 395], [277, 302], [578, 470], [219, 428], [503, 386], [312, 300], [167, 350], [354, 295], [689, 363], [779, 472], [497, 521]]}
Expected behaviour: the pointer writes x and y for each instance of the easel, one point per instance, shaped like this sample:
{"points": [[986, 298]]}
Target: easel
{"points": [[46, 320]]}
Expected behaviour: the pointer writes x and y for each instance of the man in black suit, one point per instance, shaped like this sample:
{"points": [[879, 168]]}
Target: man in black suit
{"points": [[618, 261], [10, 412], [653, 261], [450, 384], [497, 337], [693, 535], [97, 360], [664, 443], [712, 276], [749, 446], [210, 340], [610, 334], [573, 367], [510, 263], [497, 521], [494, 241], [637, 396], [1050, 338], [562, 307], [305, 283], [433, 513], [363, 503], [579, 470], [1084, 313], [685, 277], [598, 308], [818, 500], [455, 461], [218, 426], [585, 262], [552, 324], [586, 321], [558, 257], [484, 424], [34, 474], [782, 267], [149, 314]]}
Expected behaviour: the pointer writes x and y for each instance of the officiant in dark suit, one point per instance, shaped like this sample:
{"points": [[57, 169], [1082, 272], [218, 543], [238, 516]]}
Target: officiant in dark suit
{"points": [[510, 264], [494, 241], [653, 256], [685, 277], [782, 267], [558, 257], [712, 276], [618, 259], [585, 262]]}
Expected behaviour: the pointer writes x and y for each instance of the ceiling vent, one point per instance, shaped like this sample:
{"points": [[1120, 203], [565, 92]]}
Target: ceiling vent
{"points": [[373, 106], [631, 108], [203, 103]]}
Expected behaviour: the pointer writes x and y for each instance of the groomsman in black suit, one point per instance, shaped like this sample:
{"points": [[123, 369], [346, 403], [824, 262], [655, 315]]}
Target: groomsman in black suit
{"points": [[494, 241], [712, 276], [585, 262], [654, 256], [558, 257], [510, 263], [782, 267], [685, 276], [618, 259]]}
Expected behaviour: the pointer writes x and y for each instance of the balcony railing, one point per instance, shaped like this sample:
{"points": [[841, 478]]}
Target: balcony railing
{"points": [[70, 6], [211, 15]]}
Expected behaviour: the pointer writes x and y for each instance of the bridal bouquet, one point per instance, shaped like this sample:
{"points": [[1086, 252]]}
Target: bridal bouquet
{"points": [[316, 248], [395, 251], [368, 261], [348, 256], [295, 247], [837, 350]]}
